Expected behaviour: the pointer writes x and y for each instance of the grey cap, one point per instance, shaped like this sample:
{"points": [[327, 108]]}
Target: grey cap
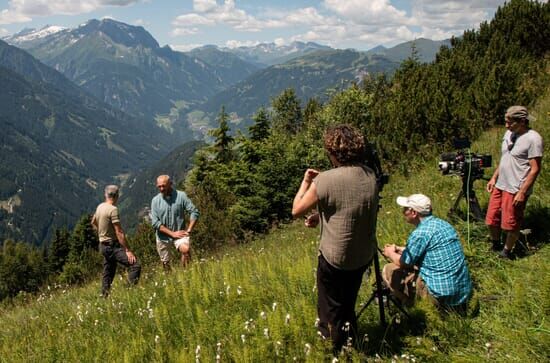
{"points": [[517, 113], [111, 191]]}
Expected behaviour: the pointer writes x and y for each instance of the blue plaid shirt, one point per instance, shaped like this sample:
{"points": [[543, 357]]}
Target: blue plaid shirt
{"points": [[435, 248]]}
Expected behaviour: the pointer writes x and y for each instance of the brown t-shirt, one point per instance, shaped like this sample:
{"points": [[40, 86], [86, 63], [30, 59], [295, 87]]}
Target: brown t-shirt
{"points": [[348, 206], [106, 214]]}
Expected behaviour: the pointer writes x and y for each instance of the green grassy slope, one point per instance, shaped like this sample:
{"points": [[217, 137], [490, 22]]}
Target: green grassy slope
{"points": [[256, 302]]}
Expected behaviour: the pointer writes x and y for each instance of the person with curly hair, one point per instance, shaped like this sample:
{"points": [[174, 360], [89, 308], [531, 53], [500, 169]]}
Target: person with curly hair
{"points": [[346, 197]]}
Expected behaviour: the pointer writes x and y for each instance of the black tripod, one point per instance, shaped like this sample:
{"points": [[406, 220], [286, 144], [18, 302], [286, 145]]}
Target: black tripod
{"points": [[468, 192], [382, 294]]}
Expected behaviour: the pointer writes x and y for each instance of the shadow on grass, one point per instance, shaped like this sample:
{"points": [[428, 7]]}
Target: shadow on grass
{"points": [[536, 220], [390, 340]]}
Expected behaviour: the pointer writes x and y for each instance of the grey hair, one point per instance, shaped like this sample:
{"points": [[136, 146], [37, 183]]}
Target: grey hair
{"points": [[111, 191]]}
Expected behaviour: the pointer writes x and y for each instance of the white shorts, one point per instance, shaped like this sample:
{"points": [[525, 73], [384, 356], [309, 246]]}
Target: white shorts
{"points": [[163, 247], [181, 241]]}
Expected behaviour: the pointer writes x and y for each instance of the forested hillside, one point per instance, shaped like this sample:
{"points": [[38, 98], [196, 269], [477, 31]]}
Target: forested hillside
{"points": [[124, 66], [58, 144]]}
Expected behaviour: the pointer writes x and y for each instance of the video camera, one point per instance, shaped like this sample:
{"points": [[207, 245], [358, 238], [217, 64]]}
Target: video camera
{"points": [[373, 161], [463, 162]]}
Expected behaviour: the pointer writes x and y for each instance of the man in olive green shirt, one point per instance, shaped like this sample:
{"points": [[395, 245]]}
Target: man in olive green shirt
{"points": [[112, 241]]}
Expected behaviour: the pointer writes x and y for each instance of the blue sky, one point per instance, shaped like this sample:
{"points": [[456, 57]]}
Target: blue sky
{"points": [[360, 24]]}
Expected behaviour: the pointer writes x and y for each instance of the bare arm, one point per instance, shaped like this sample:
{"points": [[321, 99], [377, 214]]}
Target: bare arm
{"points": [[174, 234], [491, 183], [191, 225], [535, 164], [393, 253], [122, 240], [94, 222], [306, 197]]}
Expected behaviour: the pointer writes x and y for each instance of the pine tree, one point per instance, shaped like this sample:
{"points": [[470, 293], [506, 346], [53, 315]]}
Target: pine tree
{"points": [[83, 238], [260, 130], [58, 250], [288, 112], [223, 140]]}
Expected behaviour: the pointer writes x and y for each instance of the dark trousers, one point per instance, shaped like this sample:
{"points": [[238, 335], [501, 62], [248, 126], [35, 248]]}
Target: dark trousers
{"points": [[113, 254], [337, 294]]}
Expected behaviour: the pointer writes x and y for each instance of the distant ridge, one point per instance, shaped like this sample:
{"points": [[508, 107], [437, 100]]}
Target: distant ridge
{"points": [[60, 146]]}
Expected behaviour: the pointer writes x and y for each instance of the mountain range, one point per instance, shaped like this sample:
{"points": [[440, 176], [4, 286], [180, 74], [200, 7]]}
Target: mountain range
{"points": [[101, 102], [59, 147]]}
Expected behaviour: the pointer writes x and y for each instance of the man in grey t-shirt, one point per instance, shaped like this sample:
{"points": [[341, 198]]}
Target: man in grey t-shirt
{"points": [[513, 180]]}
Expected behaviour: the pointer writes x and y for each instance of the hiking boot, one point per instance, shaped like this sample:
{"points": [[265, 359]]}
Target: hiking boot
{"points": [[497, 246], [506, 254]]}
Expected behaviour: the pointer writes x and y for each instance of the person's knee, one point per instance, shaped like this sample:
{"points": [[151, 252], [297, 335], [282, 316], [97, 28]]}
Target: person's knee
{"points": [[184, 248]]}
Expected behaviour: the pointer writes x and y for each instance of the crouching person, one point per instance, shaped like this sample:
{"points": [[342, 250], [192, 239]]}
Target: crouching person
{"points": [[432, 264], [112, 241]]}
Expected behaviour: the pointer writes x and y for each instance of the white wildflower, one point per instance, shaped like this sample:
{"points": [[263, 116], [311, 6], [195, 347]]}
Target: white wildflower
{"points": [[157, 339], [274, 306], [346, 326], [317, 321], [262, 315], [307, 348], [287, 319], [243, 338], [266, 333]]}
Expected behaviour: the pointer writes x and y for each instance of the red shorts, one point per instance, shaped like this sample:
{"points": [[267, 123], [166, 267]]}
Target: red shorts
{"points": [[502, 213]]}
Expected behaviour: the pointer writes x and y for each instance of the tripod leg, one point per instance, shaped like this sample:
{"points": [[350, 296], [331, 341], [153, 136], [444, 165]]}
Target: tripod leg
{"points": [[379, 288], [371, 299], [398, 305], [475, 207], [473, 203], [452, 211]]}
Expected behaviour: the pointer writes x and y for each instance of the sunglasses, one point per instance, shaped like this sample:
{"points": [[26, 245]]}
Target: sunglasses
{"points": [[513, 139]]}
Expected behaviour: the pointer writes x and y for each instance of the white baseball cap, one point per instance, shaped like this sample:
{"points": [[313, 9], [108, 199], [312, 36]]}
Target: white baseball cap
{"points": [[418, 202]]}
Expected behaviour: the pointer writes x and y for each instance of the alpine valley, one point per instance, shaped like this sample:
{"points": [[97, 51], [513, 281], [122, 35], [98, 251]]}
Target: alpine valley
{"points": [[104, 102]]}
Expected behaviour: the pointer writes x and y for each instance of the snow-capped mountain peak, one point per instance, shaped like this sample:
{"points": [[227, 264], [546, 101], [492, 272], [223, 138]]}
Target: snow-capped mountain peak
{"points": [[33, 34]]}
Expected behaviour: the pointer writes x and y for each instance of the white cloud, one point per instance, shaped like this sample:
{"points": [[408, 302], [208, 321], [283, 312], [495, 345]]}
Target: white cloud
{"points": [[141, 22], [184, 31], [3, 32], [309, 16], [204, 6], [374, 22], [188, 20], [10, 17], [452, 17], [184, 47], [24, 10], [367, 11], [238, 43], [279, 42], [210, 13]]}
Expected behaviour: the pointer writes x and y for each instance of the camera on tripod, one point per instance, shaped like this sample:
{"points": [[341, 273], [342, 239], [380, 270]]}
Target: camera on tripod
{"points": [[469, 167], [463, 162]]}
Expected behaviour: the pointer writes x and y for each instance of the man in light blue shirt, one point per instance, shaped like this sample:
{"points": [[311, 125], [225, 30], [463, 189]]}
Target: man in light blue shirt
{"points": [[168, 210], [433, 251]]}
